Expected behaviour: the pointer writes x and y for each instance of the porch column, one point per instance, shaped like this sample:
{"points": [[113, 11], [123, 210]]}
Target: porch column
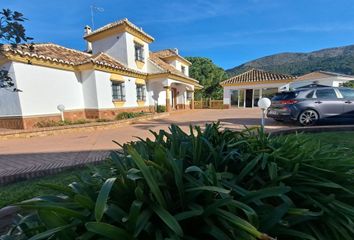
{"points": [[168, 98], [192, 100]]}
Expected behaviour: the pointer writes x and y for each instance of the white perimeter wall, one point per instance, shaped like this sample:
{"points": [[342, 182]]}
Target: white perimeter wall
{"points": [[43, 89], [9, 101], [332, 82]]}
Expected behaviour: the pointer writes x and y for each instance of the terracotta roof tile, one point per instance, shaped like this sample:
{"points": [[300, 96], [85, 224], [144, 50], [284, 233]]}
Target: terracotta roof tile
{"points": [[322, 74], [170, 53], [166, 67], [48, 51], [60, 54], [119, 23], [255, 75]]}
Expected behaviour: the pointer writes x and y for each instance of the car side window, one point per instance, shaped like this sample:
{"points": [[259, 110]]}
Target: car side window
{"points": [[326, 94], [347, 93], [310, 94]]}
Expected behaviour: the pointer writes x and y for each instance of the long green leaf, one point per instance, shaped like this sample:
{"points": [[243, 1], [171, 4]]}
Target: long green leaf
{"points": [[47, 234], [101, 202], [149, 178], [108, 231], [168, 219]]}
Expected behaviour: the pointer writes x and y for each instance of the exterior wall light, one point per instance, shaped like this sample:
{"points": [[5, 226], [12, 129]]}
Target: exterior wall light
{"points": [[61, 108], [264, 104]]}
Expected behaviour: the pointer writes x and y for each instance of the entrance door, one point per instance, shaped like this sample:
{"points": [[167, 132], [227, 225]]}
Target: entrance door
{"points": [[234, 98], [249, 98], [174, 98]]}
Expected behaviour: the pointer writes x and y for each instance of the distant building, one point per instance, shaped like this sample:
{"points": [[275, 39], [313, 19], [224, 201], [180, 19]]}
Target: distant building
{"points": [[244, 90], [117, 73]]}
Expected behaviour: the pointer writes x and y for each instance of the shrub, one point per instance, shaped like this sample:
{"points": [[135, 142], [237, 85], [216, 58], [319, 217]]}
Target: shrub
{"points": [[128, 115], [103, 120], [52, 123], [208, 184], [160, 109]]}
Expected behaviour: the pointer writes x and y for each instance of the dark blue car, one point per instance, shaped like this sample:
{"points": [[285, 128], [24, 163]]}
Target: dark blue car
{"points": [[310, 105]]}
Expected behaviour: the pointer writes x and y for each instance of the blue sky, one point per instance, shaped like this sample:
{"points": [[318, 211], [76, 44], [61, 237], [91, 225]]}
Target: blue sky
{"points": [[230, 32]]}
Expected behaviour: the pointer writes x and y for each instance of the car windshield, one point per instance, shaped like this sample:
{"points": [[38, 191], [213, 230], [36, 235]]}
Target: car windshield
{"points": [[285, 96]]}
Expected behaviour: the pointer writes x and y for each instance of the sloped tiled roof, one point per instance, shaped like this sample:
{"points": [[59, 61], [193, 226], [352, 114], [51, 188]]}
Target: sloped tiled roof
{"points": [[322, 74], [56, 53], [165, 67], [121, 22], [166, 53], [48, 51], [59, 54], [255, 76]]}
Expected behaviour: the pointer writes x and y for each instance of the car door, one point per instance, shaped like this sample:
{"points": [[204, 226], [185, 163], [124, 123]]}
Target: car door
{"points": [[348, 97], [327, 103]]}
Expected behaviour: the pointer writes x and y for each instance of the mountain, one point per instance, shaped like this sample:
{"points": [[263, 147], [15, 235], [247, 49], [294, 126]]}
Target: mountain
{"points": [[339, 59]]}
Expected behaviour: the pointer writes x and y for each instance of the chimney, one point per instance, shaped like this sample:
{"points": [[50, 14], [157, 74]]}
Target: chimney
{"points": [[176, 50], [88, 30]]}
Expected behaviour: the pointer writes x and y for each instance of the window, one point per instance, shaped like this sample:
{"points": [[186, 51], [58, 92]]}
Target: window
{"points": [[140, 92], [326, 94], [285, 96], [189, 95], [118, 93], [310, 94], [183, 69], [347, 93], [139, 52], [269, 92]]}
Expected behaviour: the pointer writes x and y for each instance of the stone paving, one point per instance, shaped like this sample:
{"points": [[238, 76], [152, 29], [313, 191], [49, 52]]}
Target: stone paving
{"points": [[26, 158]]}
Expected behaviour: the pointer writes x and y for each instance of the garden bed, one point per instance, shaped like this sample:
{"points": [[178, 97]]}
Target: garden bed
{"points": [[208, 184], [71, 128]]}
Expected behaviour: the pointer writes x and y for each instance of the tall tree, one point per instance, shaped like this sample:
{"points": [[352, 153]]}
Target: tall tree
{"points": [[209, 76], [12, 32]]}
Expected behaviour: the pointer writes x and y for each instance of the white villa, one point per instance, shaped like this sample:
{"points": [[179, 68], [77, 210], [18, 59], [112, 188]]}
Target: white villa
{"points": [[117, 73], [244, 90]]}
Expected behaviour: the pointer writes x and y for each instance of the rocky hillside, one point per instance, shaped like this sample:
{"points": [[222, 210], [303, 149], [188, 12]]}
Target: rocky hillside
{"points": [[339, 59]]}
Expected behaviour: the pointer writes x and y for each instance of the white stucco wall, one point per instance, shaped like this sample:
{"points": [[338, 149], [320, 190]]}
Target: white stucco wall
{"points": [[104, 91], [178, 65], [131, 52], [45, 88], [88, 80], [9, 100], [115, 46], [122, 47], [156, 92]]}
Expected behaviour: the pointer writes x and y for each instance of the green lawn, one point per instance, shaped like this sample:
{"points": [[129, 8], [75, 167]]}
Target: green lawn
{"points": [[28, 189], [341, 139]]}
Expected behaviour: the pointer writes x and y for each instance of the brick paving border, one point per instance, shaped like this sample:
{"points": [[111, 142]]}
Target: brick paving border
{"points": [[87, 127], [19, 167]]}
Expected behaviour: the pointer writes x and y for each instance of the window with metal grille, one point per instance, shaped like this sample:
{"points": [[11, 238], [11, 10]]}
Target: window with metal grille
{"points": [[118, 92], [189, 95], [139, 52], [140, 92], [183, 70]]}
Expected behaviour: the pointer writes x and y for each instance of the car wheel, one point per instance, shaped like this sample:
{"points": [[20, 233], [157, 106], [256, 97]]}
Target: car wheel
{"points": [[308, 118]]}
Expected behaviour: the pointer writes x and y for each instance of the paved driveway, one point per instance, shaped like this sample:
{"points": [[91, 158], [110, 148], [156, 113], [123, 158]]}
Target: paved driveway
{"points": [[19, 157]]}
